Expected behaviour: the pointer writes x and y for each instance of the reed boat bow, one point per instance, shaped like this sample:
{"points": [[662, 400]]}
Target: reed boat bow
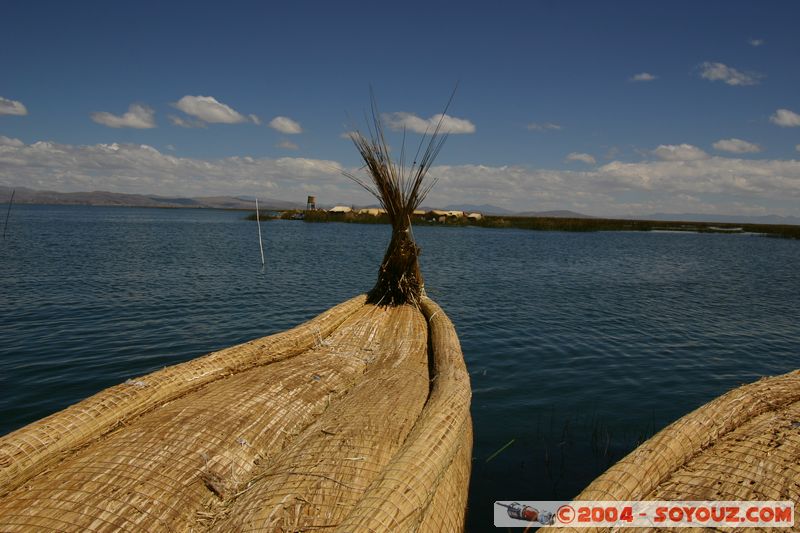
{"points": [[357, 420]]}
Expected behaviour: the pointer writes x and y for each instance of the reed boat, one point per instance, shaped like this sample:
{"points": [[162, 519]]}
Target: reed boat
{"points": [[357, 420], [741, 446]]}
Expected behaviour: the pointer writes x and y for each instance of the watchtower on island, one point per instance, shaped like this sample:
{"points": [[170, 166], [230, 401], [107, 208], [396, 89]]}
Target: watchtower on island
{"points": [[311, 204]]}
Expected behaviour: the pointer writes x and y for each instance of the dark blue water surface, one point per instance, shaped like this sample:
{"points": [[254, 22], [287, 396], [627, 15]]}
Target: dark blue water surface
{"points": [[579, 344]]}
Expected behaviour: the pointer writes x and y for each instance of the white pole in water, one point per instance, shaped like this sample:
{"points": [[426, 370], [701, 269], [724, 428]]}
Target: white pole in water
{"points": [[260, 244], [8, 213]]}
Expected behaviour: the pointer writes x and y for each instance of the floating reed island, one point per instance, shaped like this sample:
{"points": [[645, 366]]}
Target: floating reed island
{"points": [[548, 223], [742, 446], [357, 420]]}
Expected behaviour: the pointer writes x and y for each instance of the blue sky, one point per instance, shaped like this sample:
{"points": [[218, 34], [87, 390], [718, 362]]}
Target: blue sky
{"points": [[547, 114]]}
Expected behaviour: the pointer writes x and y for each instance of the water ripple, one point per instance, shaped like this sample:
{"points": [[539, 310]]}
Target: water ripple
{"points": [[575, 342]]}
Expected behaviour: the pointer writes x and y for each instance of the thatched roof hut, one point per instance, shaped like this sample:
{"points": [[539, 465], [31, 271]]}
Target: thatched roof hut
{"points": [[445, 213], [372, 211]]}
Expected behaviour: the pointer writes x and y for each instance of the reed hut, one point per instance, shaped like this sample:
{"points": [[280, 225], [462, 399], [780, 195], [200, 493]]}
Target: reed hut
{"points": [[448, 214], [357, 420], [372, 211], [742, 446]]}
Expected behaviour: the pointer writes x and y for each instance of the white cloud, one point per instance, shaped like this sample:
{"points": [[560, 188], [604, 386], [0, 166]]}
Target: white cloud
{"points": [[543, 126], [143, 169], [287, 145], [731, 76], [680, 152], [209, 109], [797, 147], [785, 118], [584, 158], [139, 116], [446, 123], [713, 184], [12, 107], [170, 147], [755, 42], [186, 122], [9, 141], [643, 76], [725, 185], [255, 119], [711, 175], [737, 146], [285, 125]]}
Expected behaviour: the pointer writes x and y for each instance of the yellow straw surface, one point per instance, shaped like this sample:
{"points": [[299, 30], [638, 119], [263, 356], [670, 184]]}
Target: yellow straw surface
{"points": [[446, 511], [399, 498], [355, 421], [35, 447], [318, 479], [155, 474]]}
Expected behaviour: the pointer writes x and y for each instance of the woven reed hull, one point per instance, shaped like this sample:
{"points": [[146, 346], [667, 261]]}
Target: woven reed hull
{"points": [[357, 420], [744, 445]]}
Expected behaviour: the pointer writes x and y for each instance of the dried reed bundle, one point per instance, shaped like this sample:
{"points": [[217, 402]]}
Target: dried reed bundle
{"points": [[31, 449], [400, 190], [155, 473], [446, 510], [401, 497], [317, 480], [365, 430]]}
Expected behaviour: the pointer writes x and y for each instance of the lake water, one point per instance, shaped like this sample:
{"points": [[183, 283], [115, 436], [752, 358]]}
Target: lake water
{"points": [[579, 345]]}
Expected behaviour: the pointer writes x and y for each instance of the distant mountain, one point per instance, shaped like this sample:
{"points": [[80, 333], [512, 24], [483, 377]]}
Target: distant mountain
{"points": [[25, 195], [554, 214], [736, 219], [486, 209]]}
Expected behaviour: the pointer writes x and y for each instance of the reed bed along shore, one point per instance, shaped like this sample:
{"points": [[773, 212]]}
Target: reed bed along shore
{"points": [[787, 231]]}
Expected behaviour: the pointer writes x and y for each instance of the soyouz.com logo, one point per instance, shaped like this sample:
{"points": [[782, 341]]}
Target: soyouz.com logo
{"points": [[770, 514]]}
